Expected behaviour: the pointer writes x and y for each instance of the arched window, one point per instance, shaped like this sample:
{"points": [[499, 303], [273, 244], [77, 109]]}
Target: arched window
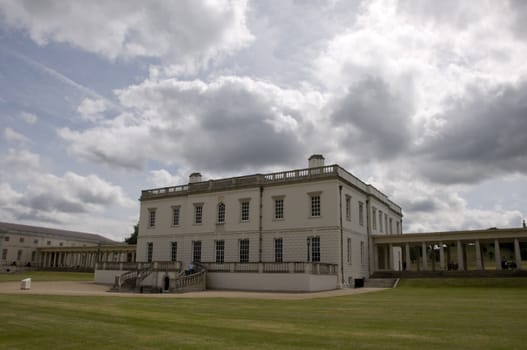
{"points": [[221, 213]]}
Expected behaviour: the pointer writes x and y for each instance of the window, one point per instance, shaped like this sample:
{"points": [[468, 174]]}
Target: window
{"points": [[175, 216], [244, 250], [374, 218], [315, 249], [386, 222], [33, 255], [362, 256], [152, 218], [397, 227], [48, 242], [19, 255], [278, 250], [220, 252], [245, 210], [380, 220], [61, 244], [6, 238], [35, 241], [349, 250], [198, 213], [173, 251], [348, 208], [149, 251], [315, 205], [391, 226], [4, 254], [361, 213], [221, 213], [21, 239], [196, 251], [279, 208]]}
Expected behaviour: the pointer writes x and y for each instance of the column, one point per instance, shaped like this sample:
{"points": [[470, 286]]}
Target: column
{"points": [[460, 265], [497, 254], [441, 257], [408, 257], [517, 253], [425, 256], [479, 265], [390, 257], [376, 257]]}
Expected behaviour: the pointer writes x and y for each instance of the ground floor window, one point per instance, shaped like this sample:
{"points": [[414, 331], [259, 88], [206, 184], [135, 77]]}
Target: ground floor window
{"points": [[313, 249], [33, 255], [349, 250], [4, 254], [196, 251], [278, 250], [220, 252], [173, 251], [19, 255], [244, 250], [149, 251], [362, 256]]}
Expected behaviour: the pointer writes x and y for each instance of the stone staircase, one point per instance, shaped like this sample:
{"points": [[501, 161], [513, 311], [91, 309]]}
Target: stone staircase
{"points": [[381, 283]]}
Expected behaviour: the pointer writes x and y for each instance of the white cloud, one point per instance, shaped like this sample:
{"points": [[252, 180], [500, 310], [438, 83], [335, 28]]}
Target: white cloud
{"points": [[91, 110], [163, 178], [225, 125], [181, 32], [29, 118], [12, 136], [19, 163]]}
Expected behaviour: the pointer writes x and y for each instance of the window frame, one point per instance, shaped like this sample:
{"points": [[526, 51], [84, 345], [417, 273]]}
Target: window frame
{"points": [[176, 215], [220, 213], [348, 207], [245, 209], [149, 251], [315, 204], [198, 213], [361, 213], [278, 210], [173, 251], [152, 217], [219, 246], [244, 251], [278, 250], [196, 251]]}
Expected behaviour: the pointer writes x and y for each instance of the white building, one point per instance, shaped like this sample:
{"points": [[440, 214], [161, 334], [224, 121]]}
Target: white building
{"points": [[21, 245], [305, 229]]}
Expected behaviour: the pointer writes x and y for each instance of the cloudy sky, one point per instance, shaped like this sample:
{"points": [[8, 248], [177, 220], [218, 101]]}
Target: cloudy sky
{"points": [[426, 100]]}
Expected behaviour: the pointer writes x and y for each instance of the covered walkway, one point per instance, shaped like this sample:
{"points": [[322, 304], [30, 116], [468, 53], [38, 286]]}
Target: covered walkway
{"points": [[475, 250]]}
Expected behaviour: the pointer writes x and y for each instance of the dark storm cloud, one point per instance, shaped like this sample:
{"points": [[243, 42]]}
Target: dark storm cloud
{"points": [[376, 119], [485, 134]]}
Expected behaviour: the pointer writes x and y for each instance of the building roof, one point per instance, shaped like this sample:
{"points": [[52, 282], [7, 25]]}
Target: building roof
{"points": [[6, 227], [290, 176]]}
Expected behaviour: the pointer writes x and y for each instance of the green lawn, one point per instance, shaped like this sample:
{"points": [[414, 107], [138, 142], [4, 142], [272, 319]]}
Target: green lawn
{"points": [[413, 316], [47, 276]]}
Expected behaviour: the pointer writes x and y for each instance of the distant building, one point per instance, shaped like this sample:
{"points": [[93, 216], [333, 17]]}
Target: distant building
{"points": [[304, 229], [21, 245]]}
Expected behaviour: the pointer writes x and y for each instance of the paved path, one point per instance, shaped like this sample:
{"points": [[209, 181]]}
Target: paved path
{"points": [[92, 289]]}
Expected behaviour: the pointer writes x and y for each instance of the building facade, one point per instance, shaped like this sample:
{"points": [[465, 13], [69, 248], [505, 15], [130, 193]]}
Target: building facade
{"points": [[22, 245], [263, 227]]}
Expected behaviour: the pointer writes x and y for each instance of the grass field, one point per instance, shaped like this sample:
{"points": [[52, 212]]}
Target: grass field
{"points": [[420, 314], [47, 276]]}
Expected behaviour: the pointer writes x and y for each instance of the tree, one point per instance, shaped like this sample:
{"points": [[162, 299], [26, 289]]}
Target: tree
{"points": [[133, 237]]}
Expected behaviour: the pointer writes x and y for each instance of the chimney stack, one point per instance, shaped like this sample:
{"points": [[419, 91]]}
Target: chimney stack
{"points": [[316, 160], [194, 177]]}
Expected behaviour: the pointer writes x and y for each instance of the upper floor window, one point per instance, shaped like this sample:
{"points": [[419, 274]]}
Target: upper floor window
{"points": [[245, 210], [35, 241], [398, 227], [198, 213], [380, 220], [6, 238], [4, 254], [175, 215], [361, 213], [386, 222], [279, 208], [315, 204], [348, 207], [152, 217], [391, 226], [362, 255], [221, 213], [374, 218], [48, 242], [21, 239]]}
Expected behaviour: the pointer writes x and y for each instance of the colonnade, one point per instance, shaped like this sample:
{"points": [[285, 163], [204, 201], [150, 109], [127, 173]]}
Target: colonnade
{"points": [[85, 257], [450, 251]]}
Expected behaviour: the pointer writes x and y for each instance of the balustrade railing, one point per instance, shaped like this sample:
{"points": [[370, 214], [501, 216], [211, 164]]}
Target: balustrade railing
{"points": [[272, 267]]}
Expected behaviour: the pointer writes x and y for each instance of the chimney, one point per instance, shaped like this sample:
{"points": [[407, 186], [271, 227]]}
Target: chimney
{"points": [[194, 177], [316, 160]]}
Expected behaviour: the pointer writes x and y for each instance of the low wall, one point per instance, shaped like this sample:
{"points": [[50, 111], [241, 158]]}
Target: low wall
{"points": [[276, 282]]}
